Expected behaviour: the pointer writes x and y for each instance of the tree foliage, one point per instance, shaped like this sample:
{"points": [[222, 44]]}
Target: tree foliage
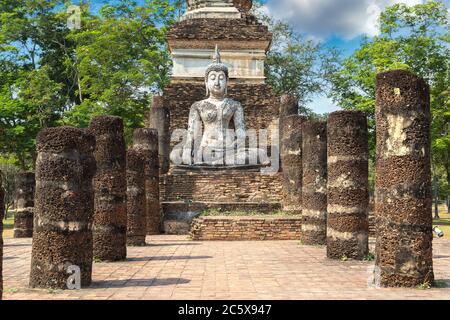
{"points": [[413, 38], [121, 61], [51, 74]]}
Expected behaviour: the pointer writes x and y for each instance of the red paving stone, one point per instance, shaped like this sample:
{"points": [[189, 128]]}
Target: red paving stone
{"points": [[173, 267]]}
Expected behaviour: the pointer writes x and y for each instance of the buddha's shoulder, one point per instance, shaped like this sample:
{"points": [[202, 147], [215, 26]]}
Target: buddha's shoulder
{"points": [[233, 103], [198, 104]]}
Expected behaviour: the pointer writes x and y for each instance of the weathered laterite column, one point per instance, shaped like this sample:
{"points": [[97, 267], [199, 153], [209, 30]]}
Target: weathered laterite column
{"points": [[291, 155], [146, 141], [159, 118], [2, 211], [64, 207], [403, 198], [314, 193], [23, 218], [136, 221], [288, 107], [110, 187], [348, 190]]}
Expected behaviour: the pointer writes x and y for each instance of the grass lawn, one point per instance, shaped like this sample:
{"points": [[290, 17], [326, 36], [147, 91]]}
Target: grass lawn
{"points": [[444, 222], [8, 226]]}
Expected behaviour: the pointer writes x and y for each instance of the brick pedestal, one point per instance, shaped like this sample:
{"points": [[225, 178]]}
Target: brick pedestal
{"points": [[246, 228]]}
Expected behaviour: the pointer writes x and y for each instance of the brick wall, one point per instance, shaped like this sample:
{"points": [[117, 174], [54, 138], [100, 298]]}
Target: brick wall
{"points": [[246, 228], [177, 208], [221, 186], [245, 29]]}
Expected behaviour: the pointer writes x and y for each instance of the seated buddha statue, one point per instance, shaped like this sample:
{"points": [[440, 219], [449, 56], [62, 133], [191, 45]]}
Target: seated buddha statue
{"points": [[216, 132]]}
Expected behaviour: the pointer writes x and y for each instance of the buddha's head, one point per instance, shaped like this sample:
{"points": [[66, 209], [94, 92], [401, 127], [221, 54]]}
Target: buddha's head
{"points": [[216, 77]]}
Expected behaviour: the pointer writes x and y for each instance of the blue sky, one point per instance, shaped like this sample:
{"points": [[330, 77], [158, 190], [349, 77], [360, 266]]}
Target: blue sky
{"points": [[338, 23]]}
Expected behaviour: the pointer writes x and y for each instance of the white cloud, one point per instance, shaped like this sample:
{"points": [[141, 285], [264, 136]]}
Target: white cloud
{"points": [[323, 18]]}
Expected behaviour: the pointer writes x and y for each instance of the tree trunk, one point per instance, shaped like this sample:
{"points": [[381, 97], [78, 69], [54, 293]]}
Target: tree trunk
{"points": [[7, 207], [436, 199], [22, 162], [436, 207], [448, 204], [447, 169]]}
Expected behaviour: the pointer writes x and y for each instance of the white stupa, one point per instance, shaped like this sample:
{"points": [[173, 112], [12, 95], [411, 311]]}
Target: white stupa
{"points": [[205, 9]]}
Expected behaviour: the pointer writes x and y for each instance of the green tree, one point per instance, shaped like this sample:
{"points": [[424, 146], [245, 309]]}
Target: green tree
{"points": [[296, 65], [118, 73], [31, 97], [52, 75], [414, 38]]}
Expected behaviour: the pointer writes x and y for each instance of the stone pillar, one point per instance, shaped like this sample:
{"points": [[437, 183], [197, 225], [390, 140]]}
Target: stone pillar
{"points": [[348, 190], [314, 193], [110, 186], [288, 107], [136, 222], [403, 198], [64, 206], [2, 212], [23, 218], [146, 141], [159, 118], [291, 158]]}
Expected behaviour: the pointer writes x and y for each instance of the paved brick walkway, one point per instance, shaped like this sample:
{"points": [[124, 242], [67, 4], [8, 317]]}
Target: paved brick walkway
{"points": [[175, 268]]}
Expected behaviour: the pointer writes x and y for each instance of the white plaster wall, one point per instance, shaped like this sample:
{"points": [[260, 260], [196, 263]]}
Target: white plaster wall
{"points": [[242, 64]]}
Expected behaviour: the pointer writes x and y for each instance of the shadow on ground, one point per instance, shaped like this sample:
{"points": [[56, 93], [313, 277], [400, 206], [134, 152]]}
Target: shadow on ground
{"points": [[168, 258], [16, 244], [172, 244], [153, 282]]}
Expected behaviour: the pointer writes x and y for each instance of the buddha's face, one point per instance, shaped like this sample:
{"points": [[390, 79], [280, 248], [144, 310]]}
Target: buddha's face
{"points": [[217, 83]]}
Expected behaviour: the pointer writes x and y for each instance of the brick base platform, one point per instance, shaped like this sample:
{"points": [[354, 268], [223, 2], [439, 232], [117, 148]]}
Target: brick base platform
{"points": [[186, 194], [178, 215], [220, 186], [246, 228], [179, 208]]}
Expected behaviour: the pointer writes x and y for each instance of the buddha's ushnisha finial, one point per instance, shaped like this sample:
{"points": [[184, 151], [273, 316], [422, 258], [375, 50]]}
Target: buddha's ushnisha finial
{"points": [[216, 56], [216, 64]]}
